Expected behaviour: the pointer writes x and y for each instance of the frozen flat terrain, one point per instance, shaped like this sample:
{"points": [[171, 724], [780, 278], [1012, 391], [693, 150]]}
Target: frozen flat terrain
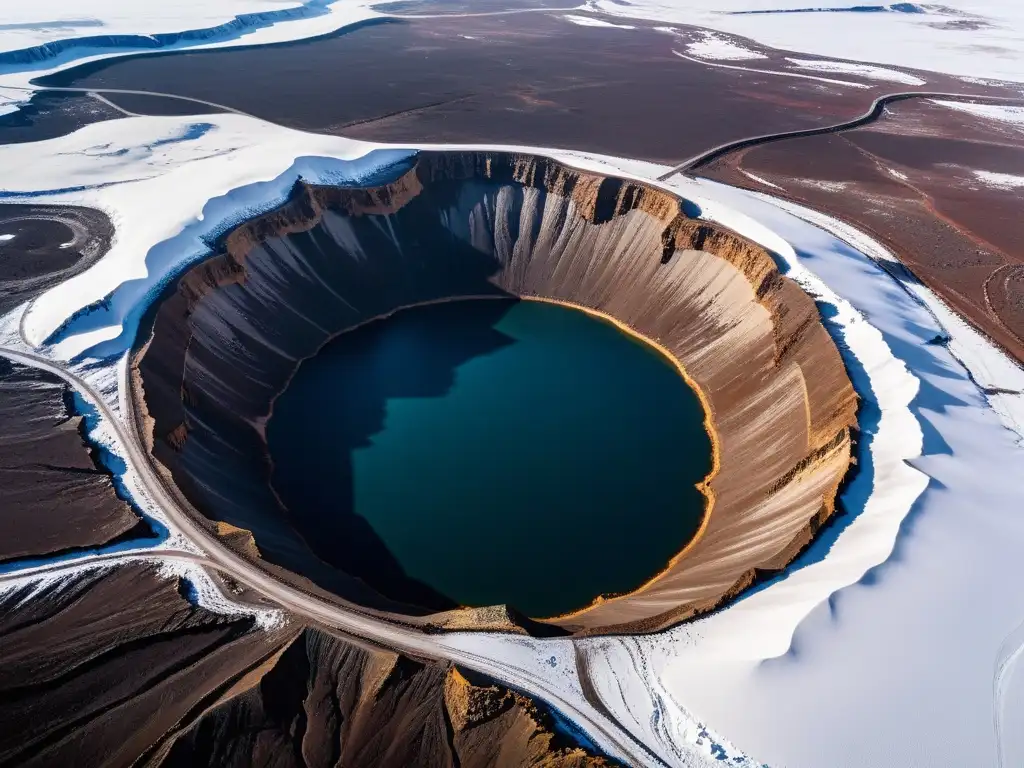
{"points": [[970, 38]]}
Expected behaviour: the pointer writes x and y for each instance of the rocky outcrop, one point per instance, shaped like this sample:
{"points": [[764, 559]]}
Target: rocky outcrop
{"points": [[119, 669], [226, 338], [321, 701]]}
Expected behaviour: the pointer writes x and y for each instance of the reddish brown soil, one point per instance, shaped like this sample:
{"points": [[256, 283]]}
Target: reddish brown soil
{"points": [[532, 79], [959, 235]]}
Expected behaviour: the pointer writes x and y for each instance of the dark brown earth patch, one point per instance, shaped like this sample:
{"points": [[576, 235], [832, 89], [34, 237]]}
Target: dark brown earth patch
{"points": [[54, 497], [909, 179], [117, 668], [529, 79]]}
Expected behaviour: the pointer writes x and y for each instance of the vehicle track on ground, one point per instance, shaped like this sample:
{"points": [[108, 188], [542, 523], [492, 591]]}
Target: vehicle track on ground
{"points": [[97, 93], [875, 111]]}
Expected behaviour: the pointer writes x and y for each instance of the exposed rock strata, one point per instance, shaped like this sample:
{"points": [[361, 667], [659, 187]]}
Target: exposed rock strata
{"points": [[227, 338], [119, 669]]}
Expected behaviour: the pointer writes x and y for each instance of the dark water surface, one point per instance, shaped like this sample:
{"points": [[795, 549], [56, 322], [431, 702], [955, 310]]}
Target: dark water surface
{"points": [[504, 452]]}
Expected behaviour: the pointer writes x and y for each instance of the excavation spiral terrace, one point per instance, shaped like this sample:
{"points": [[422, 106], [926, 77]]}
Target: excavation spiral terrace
{"points": [[221, 348]]}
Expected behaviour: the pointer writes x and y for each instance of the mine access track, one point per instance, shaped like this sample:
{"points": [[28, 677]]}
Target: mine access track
{"points": [[874, 112]]}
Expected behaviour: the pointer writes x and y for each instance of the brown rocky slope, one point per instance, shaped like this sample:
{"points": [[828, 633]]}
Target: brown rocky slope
{"points": [[118, 668], [225, 339]]}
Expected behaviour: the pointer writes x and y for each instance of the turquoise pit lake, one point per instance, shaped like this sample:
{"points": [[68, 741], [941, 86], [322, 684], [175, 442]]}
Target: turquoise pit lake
{"points": [[480, 452]]}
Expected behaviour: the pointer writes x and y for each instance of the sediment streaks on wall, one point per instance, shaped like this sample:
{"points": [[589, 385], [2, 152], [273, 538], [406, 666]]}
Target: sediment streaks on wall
{"points": [[227, 337]]}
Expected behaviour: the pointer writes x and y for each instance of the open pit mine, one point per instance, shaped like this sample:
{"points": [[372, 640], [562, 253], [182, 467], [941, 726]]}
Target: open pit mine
{"points": [[226, 337]]}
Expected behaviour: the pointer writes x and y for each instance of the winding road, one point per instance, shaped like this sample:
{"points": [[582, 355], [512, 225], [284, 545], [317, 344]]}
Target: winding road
{"points": [[875, 111]]}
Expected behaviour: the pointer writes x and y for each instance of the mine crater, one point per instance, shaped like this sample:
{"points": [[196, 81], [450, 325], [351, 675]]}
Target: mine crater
{"points": [[228, 336]]}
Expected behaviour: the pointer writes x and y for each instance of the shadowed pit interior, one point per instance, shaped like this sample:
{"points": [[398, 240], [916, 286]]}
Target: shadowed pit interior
{"points": [[226, 337]]}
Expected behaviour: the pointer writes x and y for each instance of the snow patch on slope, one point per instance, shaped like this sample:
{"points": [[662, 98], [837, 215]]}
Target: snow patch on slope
{"points": [[719, 48], [587, 21], [1012, 115], [1000, 180], [759, 180], [204, 592], [972, 38], [775, 72], [49, 29], [864, 70], [26, 25]]}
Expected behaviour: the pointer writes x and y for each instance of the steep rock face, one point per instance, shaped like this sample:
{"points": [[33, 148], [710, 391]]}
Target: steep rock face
{"points": [[319, 701], [226, 339]]}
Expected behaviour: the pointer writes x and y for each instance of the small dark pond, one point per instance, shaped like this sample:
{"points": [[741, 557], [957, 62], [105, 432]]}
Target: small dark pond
{"points": [[502, 451]]}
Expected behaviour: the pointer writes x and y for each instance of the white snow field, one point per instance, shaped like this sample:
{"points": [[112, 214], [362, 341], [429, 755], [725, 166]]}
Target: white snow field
{"points": [[44, 36], [1001, 114], [1000, 180], [864, 70], [719, 48], [971, 38], [38, 22], [589, 21], [892, 641]]}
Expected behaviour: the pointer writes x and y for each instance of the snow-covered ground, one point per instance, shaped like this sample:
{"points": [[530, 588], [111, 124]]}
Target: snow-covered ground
{"points": [[864, 70], [29, 24], [719, 48], [911, 597], [973, 38], [1001, 114], [590, 21], [760, 180], [1000, 180], [772, 72], [39, 38]]}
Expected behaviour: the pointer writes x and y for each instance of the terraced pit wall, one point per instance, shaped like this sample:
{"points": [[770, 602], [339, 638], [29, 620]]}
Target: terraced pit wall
{"points": [[225, 340]]}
